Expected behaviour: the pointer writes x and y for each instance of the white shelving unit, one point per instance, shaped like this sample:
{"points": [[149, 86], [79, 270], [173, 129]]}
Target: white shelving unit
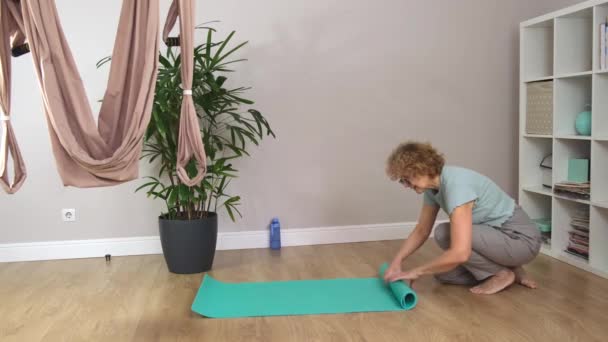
{"points": [[564, 47]]}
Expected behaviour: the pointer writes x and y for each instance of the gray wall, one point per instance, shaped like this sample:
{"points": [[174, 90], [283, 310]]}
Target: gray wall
{"points": [[342, 82]]}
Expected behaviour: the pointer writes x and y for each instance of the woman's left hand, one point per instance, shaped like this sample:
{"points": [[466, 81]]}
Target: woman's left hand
{"points": [[408, 275]]}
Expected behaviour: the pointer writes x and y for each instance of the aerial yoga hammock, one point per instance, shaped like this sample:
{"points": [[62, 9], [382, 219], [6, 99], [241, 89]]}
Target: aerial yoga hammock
{"points": [[86, 154]]}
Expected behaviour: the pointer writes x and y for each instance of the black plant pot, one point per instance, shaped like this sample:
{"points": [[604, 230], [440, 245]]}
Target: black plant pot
{"points": [[189, 245]]}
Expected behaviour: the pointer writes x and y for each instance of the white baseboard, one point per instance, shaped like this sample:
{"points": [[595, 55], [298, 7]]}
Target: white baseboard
{"points": [[74, 249]]}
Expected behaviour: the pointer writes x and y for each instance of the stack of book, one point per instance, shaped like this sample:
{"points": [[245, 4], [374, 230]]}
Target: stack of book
{"points": [[578, 243], [573, 189]]}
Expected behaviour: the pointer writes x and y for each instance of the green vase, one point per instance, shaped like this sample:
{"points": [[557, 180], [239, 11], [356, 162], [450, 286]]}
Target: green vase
{"points": [[582, 123]]}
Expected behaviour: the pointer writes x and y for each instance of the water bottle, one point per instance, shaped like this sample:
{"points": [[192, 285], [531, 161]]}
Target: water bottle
{"points": [[275, 234]]}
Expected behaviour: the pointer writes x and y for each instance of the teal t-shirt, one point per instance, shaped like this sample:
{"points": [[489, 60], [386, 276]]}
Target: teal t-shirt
{"points": [[460, 185]]}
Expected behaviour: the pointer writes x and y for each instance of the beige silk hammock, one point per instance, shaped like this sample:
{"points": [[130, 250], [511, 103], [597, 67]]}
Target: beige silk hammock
{"points": [[89, 154]]}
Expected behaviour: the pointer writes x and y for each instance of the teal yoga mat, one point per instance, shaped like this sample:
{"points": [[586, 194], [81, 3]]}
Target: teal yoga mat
{"points": [[302, 297]]}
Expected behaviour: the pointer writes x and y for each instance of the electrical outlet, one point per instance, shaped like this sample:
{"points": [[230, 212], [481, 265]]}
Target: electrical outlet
{"points": [[68, 215]]}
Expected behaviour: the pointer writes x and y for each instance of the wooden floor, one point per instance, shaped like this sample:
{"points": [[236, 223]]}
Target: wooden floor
{"points": [[136, 299]]}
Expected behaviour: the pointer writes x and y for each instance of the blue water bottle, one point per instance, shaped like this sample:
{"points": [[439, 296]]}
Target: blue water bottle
{"points": [[275, 234]]}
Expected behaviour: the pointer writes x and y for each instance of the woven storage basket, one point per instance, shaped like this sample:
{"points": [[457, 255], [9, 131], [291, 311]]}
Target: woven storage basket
{"points": [[539, 108]]}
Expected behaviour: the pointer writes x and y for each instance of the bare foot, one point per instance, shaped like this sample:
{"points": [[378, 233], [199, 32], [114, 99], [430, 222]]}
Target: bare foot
{"points": [[522, 278], [495, 283]]}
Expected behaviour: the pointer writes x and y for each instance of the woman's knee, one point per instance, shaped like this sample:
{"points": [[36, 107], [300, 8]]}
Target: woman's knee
{"points": [[442, 235]]}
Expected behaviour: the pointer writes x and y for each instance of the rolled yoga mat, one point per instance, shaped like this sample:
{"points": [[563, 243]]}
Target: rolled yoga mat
{"points": [[302, 297]]}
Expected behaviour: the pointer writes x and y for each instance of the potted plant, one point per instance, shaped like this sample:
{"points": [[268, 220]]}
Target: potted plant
{"points": [[188, 229]]}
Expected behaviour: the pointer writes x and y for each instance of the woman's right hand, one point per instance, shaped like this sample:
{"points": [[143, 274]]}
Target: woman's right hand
{"points": [[393, 269]]}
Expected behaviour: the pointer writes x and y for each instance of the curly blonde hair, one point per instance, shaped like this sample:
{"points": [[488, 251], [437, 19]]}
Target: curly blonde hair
{"points": [[413, 159]]}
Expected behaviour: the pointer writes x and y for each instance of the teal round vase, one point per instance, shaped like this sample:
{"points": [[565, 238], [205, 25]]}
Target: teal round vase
{"points": [[583, 123]]}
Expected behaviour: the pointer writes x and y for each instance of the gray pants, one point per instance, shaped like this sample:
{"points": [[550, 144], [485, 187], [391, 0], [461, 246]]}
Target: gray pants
{"points": [[515, 243]]}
